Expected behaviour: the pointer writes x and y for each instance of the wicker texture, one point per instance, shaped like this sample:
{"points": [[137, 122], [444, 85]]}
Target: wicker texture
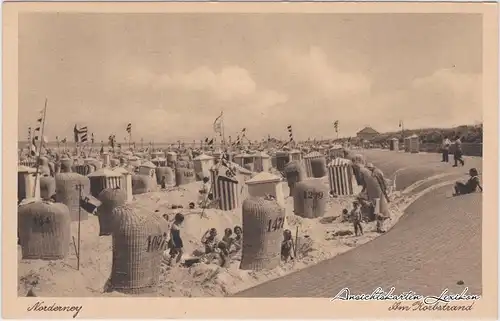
{"points": [[44, 230], [110, 198], [318, 167], [68, 194], [65, 165], [184, 176], [294, 172], [47, 187], [263, 229], [84, 169], [182, 164], [168, 173], [142, 184], [138, 245], [309, 198], [114, 162]]}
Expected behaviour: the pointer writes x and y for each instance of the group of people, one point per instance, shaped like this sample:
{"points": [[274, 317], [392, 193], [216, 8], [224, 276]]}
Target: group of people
{"points": [[456, 149], [222, 251], [216, 251]]}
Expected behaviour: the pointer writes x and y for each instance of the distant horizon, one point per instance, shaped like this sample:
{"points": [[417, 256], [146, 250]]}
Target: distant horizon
{"points": [[218, 139], [264, 71]]}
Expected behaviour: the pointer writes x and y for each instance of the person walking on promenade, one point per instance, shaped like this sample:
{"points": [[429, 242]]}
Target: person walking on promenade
{"points": [[445, 149], [457, 155]]}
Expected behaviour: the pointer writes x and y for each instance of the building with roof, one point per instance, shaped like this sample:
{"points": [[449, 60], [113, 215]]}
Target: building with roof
{"points": [[367, 133]]}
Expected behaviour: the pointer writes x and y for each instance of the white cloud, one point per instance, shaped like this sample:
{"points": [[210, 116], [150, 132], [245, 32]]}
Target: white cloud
{"points": [[313, 69], [229, 83]]}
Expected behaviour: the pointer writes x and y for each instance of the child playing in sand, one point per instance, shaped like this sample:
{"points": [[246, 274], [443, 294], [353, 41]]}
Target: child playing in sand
{"points": [[223, 254], [287, 246], [175, 243], [470, 186], [228, 238], [209, 239], [356, 218]]}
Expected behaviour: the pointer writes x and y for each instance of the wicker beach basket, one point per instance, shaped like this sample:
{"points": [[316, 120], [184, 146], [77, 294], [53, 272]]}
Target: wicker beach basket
{"points": [[68, 194], [142, 184], [168, 173], [184, 176], [294, 172], [318, 167], [263, 222], [44, 230], [138, 244], [65, 165], [47, 187], [309, 198], [110, 198]]}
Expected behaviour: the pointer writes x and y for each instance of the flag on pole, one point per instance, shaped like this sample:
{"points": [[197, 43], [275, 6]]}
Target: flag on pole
{"points": [[64, 140], [129, 128], [336, 125], [92, 138], [218, 124], [400, 124], [80, 134]]}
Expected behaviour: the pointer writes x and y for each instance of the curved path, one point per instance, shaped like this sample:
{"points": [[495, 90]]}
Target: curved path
{"points": [[433, 246]]}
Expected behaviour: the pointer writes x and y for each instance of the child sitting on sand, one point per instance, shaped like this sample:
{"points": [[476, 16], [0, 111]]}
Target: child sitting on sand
{"points": [[287, 246], [356, 218], [209, 239], [470, 186], [227, 238], [237, 243], [175, 243]]}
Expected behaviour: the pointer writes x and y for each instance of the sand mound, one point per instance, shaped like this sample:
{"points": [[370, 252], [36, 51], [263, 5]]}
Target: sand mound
{"points": [[318, 239]]}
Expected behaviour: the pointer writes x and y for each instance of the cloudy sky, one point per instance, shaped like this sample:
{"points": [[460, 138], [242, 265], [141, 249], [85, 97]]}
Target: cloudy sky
{"points": [[170, 75]]}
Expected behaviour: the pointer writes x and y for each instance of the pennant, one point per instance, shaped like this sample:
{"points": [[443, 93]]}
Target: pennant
{"points": [[129, 128]]}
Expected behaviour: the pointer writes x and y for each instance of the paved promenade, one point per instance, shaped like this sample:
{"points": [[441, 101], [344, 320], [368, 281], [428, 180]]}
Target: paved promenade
{"points": [[433, 246]]}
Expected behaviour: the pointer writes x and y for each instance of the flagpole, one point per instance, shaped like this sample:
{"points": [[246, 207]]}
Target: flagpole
{"points": [[222, 129], [40, 147]]}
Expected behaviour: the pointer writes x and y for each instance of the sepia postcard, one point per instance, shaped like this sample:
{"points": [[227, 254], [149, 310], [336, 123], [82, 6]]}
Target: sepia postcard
{"points": [[250, 160]]}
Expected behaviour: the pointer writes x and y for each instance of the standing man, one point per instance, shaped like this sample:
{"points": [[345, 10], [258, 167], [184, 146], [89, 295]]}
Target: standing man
{"points": [[445, 148], [457, 155]]}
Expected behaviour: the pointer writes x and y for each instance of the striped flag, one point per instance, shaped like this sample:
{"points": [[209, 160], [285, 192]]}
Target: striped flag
{"points": [[38, 126], [336, 126], [129, 128], [80, 134], [210, 143], [290, 135]]}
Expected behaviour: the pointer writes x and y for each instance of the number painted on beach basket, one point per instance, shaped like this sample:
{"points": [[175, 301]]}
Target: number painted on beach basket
{"points": [[276, 224], [313, 195], [40, 221], [157, 242], [188, 174]]}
